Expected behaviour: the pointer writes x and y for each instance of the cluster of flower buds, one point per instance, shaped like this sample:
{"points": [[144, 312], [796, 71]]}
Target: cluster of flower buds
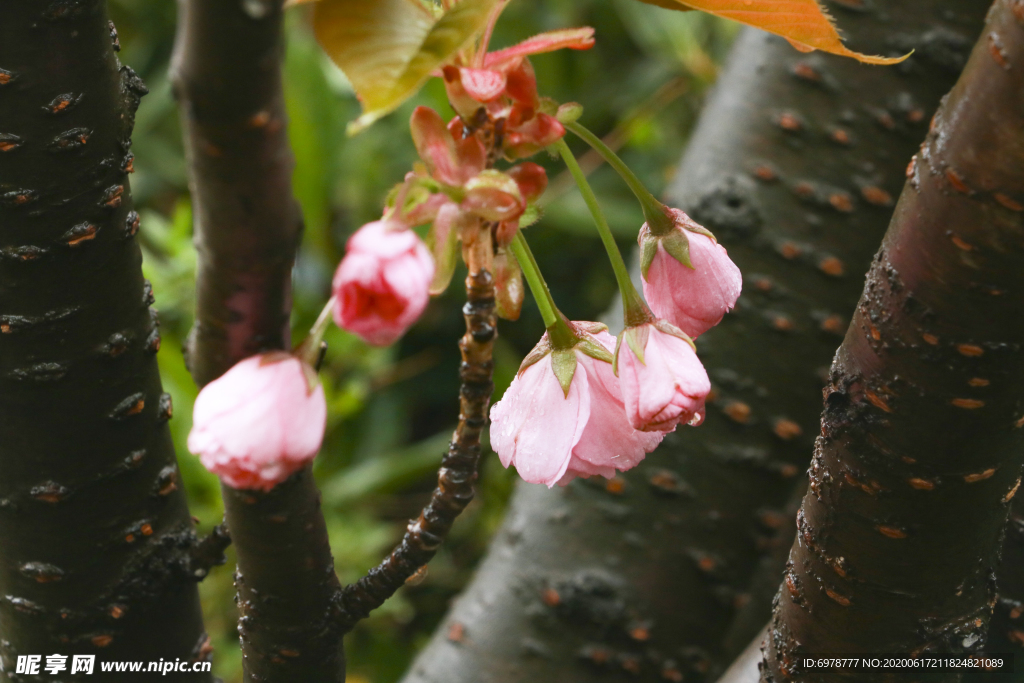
{"points": [[556, 423], [582, 403], [265, 418]]}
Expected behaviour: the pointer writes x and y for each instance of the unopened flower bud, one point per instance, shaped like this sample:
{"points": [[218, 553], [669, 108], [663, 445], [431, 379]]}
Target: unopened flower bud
{"points": [[260, 422], [383, 283]]}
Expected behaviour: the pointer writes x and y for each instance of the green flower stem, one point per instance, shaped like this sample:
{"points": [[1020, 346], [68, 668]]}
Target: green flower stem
{"points": [[654, 211], [635, 309], [309, 349], [559, 332]]}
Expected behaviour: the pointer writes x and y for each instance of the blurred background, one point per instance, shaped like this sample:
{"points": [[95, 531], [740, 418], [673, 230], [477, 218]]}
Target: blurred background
{"points": [[392, 411]]}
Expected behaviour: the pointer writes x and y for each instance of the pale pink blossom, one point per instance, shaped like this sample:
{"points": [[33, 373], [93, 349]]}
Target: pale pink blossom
{"points": [[667, 386], [260, 422], [383, 283], [552, 436], [693, 299]]}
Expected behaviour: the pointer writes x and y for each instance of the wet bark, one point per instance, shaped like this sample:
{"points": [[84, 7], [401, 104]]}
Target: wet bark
{"points": [[94, 527], [922, 435], [794, 165], [227, 77]]}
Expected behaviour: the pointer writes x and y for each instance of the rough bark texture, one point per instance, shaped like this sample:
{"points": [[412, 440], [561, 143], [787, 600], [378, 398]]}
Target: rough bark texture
{"points": [[227, 77], [286, 583], [94, 527], [922, 436], [794, 166]]}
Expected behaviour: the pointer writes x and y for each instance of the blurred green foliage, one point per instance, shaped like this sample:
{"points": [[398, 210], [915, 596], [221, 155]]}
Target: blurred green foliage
{"points": [[392, 410]]}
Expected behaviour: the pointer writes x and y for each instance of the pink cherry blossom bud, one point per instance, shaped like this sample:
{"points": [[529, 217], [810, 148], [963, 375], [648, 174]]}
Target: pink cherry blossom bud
{"points": [[552, 435], [666, 384], [260, 422], [383, 283], [693, 299]]}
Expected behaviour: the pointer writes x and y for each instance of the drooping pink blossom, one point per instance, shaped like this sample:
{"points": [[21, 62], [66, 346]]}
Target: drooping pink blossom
{"points": [[552, 436], [260, 422], [693, 299], [383, 284], [667, 386]]}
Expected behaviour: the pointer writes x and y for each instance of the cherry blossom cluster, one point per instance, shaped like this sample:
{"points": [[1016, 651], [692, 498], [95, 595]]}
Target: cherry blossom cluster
{"points": [[583, 403]]}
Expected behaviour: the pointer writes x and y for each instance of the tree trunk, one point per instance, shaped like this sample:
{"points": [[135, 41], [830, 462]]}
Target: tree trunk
{"points": [[922, 435], [794, 166], [94, 527], [227, 77]]}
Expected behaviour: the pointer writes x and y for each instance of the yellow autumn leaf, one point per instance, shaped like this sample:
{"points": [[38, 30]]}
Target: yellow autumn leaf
{"points": [[389, 48], [804, 23]]}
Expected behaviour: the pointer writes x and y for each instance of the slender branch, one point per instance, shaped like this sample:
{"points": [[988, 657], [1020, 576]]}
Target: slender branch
{"points": [[227, 78], [922, 439], [458, 471], [94, 526]]}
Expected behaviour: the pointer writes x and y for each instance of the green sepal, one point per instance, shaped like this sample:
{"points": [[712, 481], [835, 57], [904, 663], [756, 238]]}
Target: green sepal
{"points": [[548, 106], [636, 339], [590, 327], [569, 112], [648, 250], [668, 328], [563, 364], [678, 247], [595, 349], [538, 352], [531, 215], [693, 226]]}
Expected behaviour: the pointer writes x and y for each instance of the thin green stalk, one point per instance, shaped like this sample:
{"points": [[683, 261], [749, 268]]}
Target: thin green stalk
{"points": [[636, 311], [654, 211], [538, 287], [309, 349], [559, 332]]}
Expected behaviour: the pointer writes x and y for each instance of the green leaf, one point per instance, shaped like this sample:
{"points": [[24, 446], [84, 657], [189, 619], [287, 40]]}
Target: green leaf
{"points": [[389, 48], [563, 364]]}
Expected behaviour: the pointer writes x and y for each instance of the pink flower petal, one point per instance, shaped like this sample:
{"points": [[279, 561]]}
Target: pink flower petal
{"points": [[694, 300], [483, 85], [535, 425], [572, 38]]}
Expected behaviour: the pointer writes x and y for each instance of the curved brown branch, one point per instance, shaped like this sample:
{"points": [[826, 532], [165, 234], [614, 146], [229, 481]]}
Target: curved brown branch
{"points": [[923, 429], [459, 467]]}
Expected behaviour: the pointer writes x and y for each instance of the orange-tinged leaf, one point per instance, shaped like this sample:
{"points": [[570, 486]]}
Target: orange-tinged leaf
{"points": [[804, 23], [389, 48]]}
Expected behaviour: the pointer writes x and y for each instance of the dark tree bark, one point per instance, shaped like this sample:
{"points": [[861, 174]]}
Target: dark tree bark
{"points": [[794, 166], [227, 78], [922, 436], [94, 527]]}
